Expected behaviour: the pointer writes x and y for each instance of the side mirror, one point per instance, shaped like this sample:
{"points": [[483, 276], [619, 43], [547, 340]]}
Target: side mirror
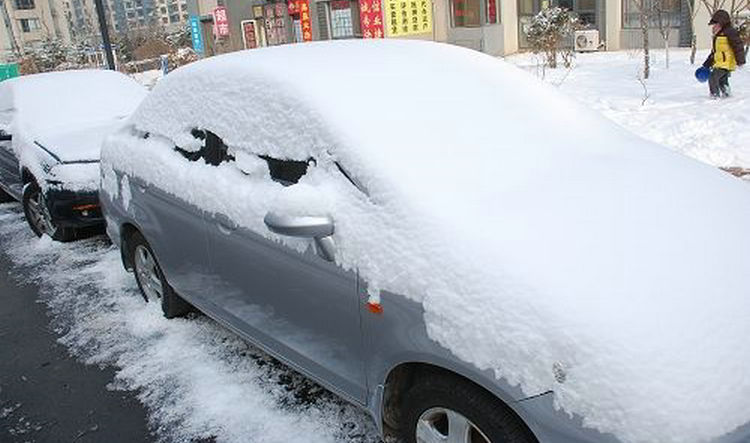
{"points": [[320, 229]]}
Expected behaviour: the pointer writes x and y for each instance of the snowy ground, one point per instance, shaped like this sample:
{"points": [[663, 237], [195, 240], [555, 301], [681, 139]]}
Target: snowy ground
{"points": [[678, 112], [198, 381]]}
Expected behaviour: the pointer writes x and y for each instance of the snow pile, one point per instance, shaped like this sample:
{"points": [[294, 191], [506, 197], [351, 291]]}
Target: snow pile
{"points": [[678, 112], [532, 239], [198, 381]]}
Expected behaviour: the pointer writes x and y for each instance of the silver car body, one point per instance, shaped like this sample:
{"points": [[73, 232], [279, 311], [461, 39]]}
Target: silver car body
{"points": [[286, 298]]}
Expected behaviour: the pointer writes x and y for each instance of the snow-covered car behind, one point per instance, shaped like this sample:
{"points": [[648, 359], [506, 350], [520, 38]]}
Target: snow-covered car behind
{"points": [[443, 240], [51, 130]]}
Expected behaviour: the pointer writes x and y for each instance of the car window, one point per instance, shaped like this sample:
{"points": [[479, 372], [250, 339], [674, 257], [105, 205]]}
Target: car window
{"points": [[212, 148], [286, 172]]}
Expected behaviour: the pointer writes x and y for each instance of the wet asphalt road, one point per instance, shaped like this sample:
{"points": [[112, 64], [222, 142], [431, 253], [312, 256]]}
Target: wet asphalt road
{"points": [[45, 394]]}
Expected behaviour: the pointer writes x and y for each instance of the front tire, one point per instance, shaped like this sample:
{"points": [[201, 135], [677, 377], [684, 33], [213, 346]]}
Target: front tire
{"points": [[38, 217], [150, 278], [439, 408]]}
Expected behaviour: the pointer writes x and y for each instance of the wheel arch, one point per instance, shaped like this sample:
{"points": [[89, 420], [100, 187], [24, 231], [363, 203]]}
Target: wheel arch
{"points": [[26, 176], [402, 376]]}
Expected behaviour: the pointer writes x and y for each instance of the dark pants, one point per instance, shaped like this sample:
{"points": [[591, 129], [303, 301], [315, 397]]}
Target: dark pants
{"points": [[718, 83]]}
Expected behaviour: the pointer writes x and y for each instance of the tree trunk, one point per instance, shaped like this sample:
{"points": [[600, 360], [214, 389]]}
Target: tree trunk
{"points": [[646, 54], [666, 49], [693, 49]]}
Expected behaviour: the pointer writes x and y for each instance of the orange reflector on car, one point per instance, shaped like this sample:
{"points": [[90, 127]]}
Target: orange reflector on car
{"points": [[85, 207], [375, 308]]}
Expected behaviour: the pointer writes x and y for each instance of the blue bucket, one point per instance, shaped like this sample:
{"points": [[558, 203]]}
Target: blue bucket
{"points": [[702, 74]]}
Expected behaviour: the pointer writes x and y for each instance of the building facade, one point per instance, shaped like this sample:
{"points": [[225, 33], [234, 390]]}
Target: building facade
{"points": [[27, 23], [496, 27]]}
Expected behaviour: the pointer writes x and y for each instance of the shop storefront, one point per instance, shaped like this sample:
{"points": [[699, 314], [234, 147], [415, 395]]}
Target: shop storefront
{"points": [[591, 14]]}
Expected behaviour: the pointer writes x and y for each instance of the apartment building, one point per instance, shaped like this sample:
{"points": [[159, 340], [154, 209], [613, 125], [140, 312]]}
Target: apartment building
{"points": [[26, 23], [496, 27]]}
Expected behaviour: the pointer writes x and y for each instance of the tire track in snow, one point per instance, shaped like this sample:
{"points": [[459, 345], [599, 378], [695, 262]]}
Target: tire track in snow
{"points": [[197, 380]]}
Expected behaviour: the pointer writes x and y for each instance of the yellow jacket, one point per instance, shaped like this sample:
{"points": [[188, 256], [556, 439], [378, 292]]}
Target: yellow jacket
{"points": [[724, 54]]}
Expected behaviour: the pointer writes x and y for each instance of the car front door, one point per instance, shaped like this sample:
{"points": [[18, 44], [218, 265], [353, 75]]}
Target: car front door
{"points": [[301, 307], [10, 177]]}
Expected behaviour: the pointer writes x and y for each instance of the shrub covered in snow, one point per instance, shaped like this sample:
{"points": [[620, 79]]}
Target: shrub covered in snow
{"points": [[548, 31]]}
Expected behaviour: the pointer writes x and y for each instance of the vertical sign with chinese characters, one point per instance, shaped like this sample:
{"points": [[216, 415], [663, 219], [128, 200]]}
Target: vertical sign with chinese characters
{"points": [[371, 18], [406, 17], [305, 21], [195, 34], [249, 35], [221, 21]]}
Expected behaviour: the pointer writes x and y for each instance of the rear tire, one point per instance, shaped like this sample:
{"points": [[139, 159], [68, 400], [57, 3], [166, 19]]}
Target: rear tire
{"points": [[150, 278], [437, 406], [38, 216]]}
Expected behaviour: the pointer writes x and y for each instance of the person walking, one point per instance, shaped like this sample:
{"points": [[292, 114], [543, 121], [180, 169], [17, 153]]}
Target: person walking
{"points": [[727, 54]]}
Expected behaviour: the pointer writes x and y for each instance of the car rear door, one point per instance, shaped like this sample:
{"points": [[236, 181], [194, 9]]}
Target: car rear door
{"points": [[299, 306]]}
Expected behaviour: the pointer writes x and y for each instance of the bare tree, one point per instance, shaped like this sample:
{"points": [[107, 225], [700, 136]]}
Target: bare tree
{"points": [[734, 7], [644, 10], [693, 11], [662, 10]]}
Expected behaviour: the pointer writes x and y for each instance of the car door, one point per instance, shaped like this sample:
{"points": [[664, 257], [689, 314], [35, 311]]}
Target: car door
{"points": [[174, 228], [10, 177], [302, 308]]}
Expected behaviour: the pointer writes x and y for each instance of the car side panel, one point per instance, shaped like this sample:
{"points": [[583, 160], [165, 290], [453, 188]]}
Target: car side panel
{"points": [[176, 232], [10, 176], [399, 336]]}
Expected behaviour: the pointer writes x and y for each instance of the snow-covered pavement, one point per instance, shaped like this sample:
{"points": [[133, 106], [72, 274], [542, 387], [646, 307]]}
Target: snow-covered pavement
{"points": [[196, 379], [678, 112]]}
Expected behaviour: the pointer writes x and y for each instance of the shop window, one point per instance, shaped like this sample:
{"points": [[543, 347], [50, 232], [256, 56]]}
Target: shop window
{"points": [[25, 4], [29, 24], [666, 12], [341, 19], [466, 13]]}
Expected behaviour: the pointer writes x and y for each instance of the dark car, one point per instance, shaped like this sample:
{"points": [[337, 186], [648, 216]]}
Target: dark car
{"points": [[49, 151]]}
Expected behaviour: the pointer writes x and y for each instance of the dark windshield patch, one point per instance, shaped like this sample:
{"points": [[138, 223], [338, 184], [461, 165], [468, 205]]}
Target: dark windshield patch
{"points": [[286, 172]]}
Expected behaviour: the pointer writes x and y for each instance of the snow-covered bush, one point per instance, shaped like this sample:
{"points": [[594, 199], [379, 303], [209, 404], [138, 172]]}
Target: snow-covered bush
{"points": [[548, 32]]}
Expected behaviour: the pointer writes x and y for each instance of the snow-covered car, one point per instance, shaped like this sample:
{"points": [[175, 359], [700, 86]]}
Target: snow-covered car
{"points": [[444, 240], [51, 130]]}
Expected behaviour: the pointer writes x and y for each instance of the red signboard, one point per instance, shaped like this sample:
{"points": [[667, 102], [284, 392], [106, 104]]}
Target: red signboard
{"points": [[492, 11], [303, 6], [221, 21], [248, 34], [371, 18]]}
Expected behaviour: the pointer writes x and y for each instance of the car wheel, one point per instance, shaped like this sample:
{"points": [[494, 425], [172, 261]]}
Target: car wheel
{"points": [[37, 215], [440, 408], [151, 281]]}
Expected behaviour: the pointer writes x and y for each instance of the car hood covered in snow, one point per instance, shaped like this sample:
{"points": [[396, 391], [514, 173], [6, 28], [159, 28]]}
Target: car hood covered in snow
{"points": [[535, 233], [68, 111]]}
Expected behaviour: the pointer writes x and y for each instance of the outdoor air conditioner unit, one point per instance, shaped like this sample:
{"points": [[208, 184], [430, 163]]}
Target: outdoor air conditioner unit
{"points": [[586, 40]]}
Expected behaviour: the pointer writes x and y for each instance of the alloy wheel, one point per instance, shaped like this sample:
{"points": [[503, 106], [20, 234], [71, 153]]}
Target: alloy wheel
{"points": [[147, 273], [442, 425], [40, 216]]}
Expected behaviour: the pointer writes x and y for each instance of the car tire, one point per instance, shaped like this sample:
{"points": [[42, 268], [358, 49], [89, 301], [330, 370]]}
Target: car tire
{"points": [[38, 216], [150, 278], [436, 400]]}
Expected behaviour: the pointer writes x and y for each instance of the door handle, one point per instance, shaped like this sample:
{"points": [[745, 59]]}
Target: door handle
{"points": [[141, 187], [225, 224]]}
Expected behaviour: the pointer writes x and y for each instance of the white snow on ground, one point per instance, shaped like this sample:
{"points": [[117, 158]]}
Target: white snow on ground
{"points": [[148, 78], [678, 113], [557, 237], [196, 379]]}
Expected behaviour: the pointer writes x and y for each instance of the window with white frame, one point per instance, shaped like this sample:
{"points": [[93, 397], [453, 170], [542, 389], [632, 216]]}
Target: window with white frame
{"points": [[24, 4], [666, 12], [30, 24], [341, 19]]}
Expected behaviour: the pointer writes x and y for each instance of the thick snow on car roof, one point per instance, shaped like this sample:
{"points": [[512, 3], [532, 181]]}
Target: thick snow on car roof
{"points": [[534, 232], [67, 100]]}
